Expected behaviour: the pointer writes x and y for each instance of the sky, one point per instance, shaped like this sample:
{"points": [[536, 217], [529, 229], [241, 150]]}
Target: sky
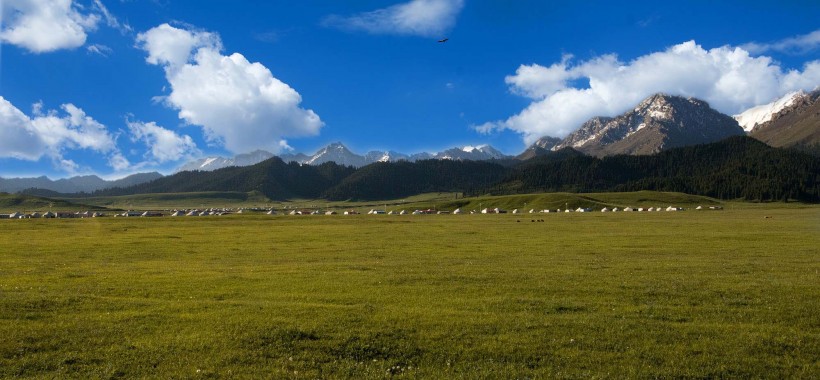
{"points": [[115, 87]]}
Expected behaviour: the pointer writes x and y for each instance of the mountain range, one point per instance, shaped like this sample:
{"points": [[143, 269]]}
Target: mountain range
{"points": [[340, 154], [658, 123], [78, 184], [736, 167]]}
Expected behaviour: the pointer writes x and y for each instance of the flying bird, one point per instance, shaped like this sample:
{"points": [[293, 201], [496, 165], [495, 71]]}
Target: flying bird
{"points": [[444, 40]]}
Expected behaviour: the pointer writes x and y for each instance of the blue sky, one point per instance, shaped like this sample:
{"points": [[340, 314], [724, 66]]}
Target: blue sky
{"points": [[113, 87]]}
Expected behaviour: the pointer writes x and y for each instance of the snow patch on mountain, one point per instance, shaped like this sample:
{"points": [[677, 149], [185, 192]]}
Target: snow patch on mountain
{"points": [[755, 116]]}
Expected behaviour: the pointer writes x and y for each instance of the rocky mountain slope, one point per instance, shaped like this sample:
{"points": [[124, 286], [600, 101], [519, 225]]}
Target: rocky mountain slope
{"points": [[541, 147], [762, 114], [658, 123], [796, 125]]}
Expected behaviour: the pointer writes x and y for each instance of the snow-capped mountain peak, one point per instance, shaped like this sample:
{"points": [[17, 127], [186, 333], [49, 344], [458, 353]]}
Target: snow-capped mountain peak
{"points": [[384, 156], [658, 122], [338, 153], [470, 152], [756, 116], [214, 163], [208, 161]]}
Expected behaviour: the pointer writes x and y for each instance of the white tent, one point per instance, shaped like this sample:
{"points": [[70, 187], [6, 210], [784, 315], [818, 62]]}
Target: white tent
{"points": [[457, 211], [605, 209]]}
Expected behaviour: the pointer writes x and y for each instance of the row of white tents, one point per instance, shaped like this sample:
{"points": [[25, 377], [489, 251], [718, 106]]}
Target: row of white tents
{"points": [[52, 215], [217, 212]]}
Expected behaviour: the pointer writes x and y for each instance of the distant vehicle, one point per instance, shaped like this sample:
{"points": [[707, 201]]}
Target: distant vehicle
{"points": [[443, 40]]}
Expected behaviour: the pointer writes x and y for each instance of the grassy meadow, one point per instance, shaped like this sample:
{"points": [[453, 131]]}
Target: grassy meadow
{"points": [[694, 294]]}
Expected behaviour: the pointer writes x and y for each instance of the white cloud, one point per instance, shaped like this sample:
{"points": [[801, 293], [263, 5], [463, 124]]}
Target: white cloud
{"points": [[45, 25], [537, 81], [428, 18], [165, 145], [729, 78], [98, 49], [75, 130], [118, 162], [172, 48], [51, 133], [795, 45], [110, 19], [18, 139], [237, 103]]}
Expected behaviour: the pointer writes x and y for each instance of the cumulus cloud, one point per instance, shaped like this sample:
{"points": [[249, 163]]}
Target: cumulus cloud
{"points": [[45, 25], [172, 47], [729, 78], [237, 103], [51, 133], [164, 144], [427, 18], [794, 45], [18, 139]]}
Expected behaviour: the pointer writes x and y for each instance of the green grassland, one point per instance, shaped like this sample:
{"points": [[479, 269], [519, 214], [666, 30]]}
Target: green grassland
{"points": [[710, 294]]}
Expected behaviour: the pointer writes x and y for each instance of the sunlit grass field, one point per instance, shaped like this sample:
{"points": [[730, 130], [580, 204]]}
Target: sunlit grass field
{"points": [[693, 294]]}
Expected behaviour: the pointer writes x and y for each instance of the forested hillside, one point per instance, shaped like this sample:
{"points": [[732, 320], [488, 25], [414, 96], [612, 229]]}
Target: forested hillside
{"points": [[738, 167], [385, 180], [274, 178]]}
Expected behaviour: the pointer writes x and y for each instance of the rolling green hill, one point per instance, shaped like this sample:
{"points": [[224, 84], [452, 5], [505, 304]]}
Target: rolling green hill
{"points": [[24, 203], [181, 200], [596, 201]]}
